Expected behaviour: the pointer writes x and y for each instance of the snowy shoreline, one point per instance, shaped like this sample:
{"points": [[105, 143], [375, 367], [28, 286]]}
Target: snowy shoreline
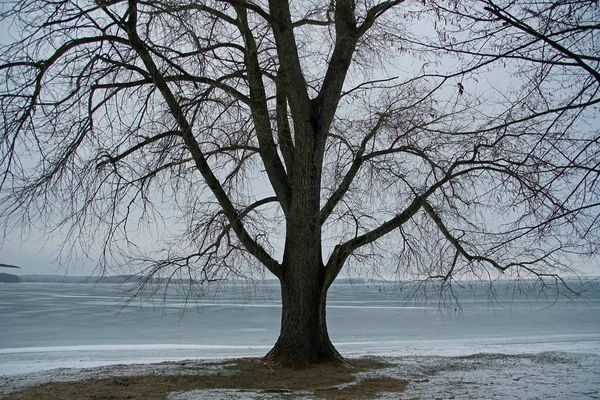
{"points": [[548, 375], [24, 360], [522, 351]]}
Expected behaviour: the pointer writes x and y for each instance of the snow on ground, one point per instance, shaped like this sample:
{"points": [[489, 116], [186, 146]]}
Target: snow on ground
{"points": [[545, 375], [13, 383], [238, 394]]}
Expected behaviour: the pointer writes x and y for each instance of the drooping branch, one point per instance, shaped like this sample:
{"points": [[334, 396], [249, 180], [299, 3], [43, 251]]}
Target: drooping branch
{"points": [[477, 258], [214, 237]]}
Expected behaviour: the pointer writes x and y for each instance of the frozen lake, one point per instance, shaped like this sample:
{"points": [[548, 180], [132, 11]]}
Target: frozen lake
{"points": [[45, 326]]}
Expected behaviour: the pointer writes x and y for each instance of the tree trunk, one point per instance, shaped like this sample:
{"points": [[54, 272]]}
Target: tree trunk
{"points": [[303, 338]]}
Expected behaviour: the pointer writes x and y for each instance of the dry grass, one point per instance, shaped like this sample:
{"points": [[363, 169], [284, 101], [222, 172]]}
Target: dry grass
{"points": [[326, 381]]}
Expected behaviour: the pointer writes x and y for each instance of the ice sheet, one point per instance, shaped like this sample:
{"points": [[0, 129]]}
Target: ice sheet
{"points": [[44, 327]]}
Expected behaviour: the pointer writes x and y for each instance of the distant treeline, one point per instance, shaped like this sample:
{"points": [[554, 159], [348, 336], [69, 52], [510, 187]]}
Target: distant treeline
{"points": [[68, 279], [10, 278], [82, 279]]}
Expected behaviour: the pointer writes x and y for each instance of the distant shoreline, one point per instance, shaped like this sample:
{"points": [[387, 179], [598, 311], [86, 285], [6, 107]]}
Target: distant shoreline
{"points": [[117, 279], [39, 278]]}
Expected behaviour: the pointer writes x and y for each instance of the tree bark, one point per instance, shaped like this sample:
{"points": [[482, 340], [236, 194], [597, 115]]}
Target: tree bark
{"points": [[303, 338]]}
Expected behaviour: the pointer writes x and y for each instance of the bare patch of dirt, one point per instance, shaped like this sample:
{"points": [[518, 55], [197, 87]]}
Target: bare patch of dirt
{"points": [[326, 381]]}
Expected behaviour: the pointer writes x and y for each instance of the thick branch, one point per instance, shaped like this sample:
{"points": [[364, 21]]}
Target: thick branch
{"points": [[342, 251], [346, 37], [178, 78], [260, 116], [309, 21], [119, 157], [291, 71], [210, 179]]}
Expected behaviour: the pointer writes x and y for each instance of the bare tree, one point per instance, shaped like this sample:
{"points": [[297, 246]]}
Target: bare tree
{"points": [[444, 140]]}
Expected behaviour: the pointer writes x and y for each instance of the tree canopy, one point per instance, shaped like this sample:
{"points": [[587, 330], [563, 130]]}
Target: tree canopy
{"points": [[223, 138]]}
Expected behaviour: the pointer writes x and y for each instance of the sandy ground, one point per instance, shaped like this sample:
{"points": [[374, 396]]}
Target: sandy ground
{"points": [[547, 375]]}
